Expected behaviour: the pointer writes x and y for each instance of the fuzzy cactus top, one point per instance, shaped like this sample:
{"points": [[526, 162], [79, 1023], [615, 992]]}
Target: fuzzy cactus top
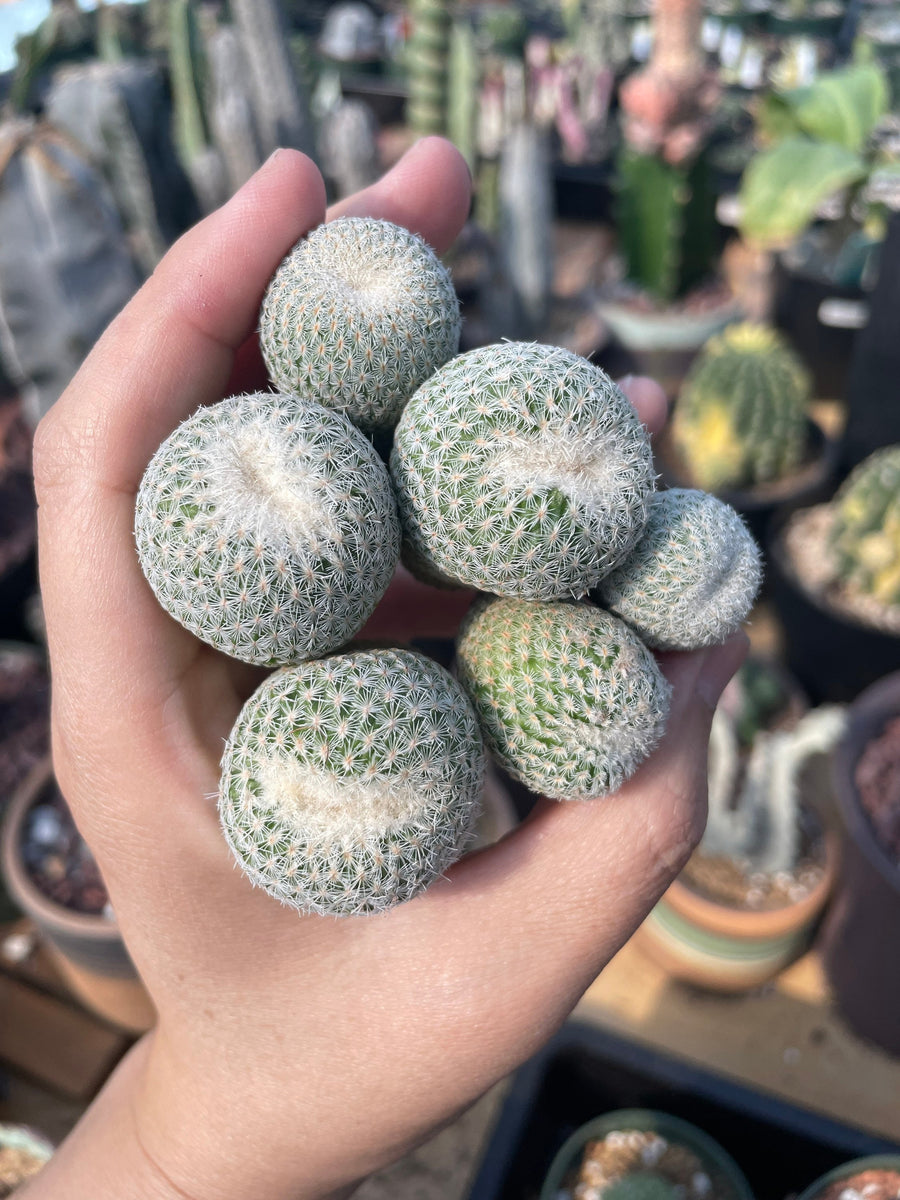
{"points": [[741, 416], [570, 700], [357, 316], [351, 783], [693, 576], [521, 469], [865, 532], [268, 528]]}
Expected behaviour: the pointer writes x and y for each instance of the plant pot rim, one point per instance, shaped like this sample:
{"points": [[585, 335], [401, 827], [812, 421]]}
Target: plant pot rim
{"points": [[43, 910], [716, 917], [645, 1120], [872, 1162], [866, 718], [668, 329]]}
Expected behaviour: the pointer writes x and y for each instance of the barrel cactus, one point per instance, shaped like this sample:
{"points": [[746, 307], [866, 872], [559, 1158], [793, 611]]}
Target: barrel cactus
{"points": [[521, 469], [741, 415], [268, 528], [865, 531], [351, 783], [357, 316], [570, 700], [693, 576]]}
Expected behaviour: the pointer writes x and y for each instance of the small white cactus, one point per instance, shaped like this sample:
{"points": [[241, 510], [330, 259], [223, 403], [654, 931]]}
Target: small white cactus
{"points": [[570, 700], [268, 528], [357, 316], [692, 577], [521, 469], [351, 783]]}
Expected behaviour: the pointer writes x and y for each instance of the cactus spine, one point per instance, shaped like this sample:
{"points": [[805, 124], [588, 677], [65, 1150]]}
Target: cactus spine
{"points": [[267, 528], [693, 576], [521, 469], [865, 531], [741, 416], [427, 54], [351, 783], [569, 699]]}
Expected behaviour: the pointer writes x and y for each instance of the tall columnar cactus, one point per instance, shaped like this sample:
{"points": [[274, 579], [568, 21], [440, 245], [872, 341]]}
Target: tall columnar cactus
{"points": [[351, 783], [865, 531], [741, 416], [358, 315], [349, 144], [267, 527], [570, 700], [427, 56], [463, 86], [521, 469], [693, 576], [526, 222], [199, 157]]}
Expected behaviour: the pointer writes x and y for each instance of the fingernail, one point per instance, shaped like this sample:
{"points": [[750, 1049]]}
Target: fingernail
{"points": [[719, 665]]}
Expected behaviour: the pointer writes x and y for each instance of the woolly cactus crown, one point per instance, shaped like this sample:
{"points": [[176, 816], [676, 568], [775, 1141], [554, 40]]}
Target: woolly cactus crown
{"points": [[349, 784], [267, 527], [741, 415], [569, 699], [521, 469], [357, 316], [865, 534], [693, 576]]}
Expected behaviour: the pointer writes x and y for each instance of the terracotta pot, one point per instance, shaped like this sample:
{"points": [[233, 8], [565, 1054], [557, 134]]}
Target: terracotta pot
{"points": [[859, 939], [88, 949], [876, 1162], [727, 949]]}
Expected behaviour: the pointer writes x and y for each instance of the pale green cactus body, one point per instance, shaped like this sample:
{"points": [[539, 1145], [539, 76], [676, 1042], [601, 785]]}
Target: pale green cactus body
{"points": [[357, 316], [640, 1185], [522, 470], [268, 528], [351, 783], [865, 533], [570, 700], [692, 578]]}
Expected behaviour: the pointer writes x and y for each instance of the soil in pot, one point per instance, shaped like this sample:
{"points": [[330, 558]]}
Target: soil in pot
{"points": [[877, 779], [870, 1184], [57, 858]]}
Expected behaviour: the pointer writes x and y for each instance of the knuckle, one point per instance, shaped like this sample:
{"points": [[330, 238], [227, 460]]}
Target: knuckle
{"points": [[64, 453]]}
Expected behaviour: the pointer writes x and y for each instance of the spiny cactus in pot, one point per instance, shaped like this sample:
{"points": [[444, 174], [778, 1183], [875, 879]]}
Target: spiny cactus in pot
{"points": [[865, 532], [267, 527], [357, 316], [351, 783]]}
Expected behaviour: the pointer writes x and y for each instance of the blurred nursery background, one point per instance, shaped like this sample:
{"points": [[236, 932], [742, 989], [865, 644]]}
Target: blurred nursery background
{"points": [[704, 191]]}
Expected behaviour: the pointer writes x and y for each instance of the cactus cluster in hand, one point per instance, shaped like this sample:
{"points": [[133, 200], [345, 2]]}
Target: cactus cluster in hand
{"points": [[741, 416], [268, 526], [865, 532]]}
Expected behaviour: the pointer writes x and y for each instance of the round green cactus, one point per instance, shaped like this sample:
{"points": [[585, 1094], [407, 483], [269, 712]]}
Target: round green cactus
{"points": [[741, 415], [268, 528], [521, 469], [351, 783], [569, 699], [357, 316], [693, 576], [865, 534]]}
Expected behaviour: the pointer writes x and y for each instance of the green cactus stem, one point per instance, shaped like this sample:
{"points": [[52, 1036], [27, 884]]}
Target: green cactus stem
{"points": [[268, 528], [521, 469], [427, 56], [693, 576], [865, 531], [570, 700], [358, 316], [351, 783]]}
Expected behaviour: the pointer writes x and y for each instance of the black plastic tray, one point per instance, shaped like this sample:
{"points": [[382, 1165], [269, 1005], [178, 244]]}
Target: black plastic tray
{"points": [[585, 1072]]}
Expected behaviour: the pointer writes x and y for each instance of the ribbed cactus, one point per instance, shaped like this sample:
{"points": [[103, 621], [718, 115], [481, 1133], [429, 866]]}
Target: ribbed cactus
{"points": [[521, 469], [267, 527], [427, 53], [693, 576], [351, 783], [570, 700], [865, 533], [741, 416], [357, 316]]}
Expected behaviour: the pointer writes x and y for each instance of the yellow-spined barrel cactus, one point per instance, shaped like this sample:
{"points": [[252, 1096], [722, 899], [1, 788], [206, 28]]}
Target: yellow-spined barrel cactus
{"points": [[521, 469], [865, 534], [268, 528], [357, 316], [741, 416], [351, 783], [570, 700], [693, 576]]}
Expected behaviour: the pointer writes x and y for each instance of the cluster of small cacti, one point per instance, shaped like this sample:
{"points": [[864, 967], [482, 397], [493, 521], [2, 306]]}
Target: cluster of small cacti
{"points": [[865, 532], [267, 525], [741, 416]]}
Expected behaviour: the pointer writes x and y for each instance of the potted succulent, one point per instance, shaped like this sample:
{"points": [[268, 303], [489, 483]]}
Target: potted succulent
{"points": [[52, 877], [864, 975], [876, 1177], [639, 1154], [22, 1154], [745, 904]]}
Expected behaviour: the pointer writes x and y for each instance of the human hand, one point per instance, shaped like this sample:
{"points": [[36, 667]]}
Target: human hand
{"points": [[294, 1055]]}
